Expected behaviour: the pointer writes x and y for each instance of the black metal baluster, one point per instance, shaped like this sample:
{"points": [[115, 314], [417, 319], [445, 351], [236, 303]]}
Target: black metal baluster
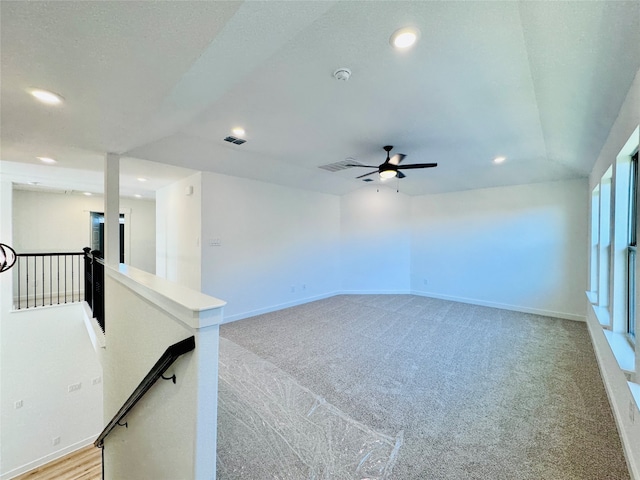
{"points": [[42, 280], [35, 281], [19, 281], [50, 281], [65, 279], [27, 282], [79, 297]]}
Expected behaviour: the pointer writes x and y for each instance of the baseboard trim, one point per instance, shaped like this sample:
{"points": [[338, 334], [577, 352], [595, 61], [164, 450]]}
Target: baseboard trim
{"points": [[376, 292], [48, 458], [503, 306], [273, 308], [618, 393]]}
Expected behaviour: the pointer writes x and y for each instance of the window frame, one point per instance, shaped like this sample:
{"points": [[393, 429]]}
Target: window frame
{"points": [[632, 222]]}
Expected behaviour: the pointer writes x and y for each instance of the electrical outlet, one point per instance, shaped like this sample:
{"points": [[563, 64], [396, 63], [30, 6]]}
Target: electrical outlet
{"points": [[96, 381], [55, 441], [424, 281], [293, 289], [304, 287], [74, 387], [18, 404]]}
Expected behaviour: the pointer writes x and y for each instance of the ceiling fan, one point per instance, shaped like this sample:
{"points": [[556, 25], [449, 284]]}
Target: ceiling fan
{"points": [[391, 166]]}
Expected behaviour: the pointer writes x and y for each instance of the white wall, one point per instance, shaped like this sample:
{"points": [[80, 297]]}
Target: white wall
{"points": [[6, 237], [375, 231], [6, 292], [47, 221], [42, 352], [627, 121], [172, 430], [519, 247], [178, 235], [620, 396], [272, 240], [141, 222]]}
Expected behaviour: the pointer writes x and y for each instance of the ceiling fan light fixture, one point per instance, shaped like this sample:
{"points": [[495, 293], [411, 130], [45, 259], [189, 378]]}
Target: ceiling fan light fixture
{"points": [[388, 173], [404, 37]]}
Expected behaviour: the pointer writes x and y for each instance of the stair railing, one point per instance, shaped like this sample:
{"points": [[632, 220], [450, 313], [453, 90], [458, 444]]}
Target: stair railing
{"points": [[94, 284], [42, 279], [170, 355]]}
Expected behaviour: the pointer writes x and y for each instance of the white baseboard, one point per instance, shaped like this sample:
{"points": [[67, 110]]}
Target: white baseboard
{"points": [[273, 308], [48, 458], [620, 397], [35, 300], [503, 306], [96, 335], [376, 292]]}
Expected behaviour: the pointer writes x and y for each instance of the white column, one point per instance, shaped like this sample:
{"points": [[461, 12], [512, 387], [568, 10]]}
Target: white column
{"points": [[206, 401], [112, 209]]}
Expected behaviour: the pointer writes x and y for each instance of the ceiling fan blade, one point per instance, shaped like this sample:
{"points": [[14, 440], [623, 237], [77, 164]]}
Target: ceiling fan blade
{"points": [[397, 158], [419, 165], [354, 165], [400, 175], [367, 174]]}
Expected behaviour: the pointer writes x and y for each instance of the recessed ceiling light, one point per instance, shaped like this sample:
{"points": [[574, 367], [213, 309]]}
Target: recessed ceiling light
{"points": [[88, 194], [142, 179], [238, 131], [137, 195], [404, 37], [499, 159], [47, 97], [46, 160]]}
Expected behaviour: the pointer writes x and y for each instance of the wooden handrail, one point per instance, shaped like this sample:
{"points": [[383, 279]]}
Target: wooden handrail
{"points": [[170, 355]]}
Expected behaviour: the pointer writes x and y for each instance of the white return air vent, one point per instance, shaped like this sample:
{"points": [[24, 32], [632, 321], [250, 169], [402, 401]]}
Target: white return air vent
{"points": [[237, 141], [343, 165]]}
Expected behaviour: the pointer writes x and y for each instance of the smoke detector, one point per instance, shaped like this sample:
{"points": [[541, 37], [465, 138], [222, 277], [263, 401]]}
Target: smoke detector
{"points": [[342, 74]]}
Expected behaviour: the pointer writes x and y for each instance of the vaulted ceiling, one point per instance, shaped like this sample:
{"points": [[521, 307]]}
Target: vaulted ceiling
{"points": [[538, 82]]}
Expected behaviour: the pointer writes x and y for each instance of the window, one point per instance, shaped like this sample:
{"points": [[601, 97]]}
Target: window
{"points": [[604, 242], [631, 250], [595, 239]]}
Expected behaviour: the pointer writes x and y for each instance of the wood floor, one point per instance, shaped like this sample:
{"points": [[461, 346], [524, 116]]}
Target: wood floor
{"points": [[83, 464]]}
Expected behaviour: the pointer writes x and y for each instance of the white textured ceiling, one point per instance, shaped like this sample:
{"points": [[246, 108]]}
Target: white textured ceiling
{"points": [[540, 82]]}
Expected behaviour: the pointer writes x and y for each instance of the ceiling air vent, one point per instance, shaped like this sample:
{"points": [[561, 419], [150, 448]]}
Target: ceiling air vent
{"points": [[237, 141], [343, 165]]}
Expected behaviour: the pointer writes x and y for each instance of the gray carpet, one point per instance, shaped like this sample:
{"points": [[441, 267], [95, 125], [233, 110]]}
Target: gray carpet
{"points": [[408, 387]]}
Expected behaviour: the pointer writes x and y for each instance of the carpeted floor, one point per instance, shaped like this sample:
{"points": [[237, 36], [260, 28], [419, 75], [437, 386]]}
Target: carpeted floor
{"points": [[408, 387]]}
